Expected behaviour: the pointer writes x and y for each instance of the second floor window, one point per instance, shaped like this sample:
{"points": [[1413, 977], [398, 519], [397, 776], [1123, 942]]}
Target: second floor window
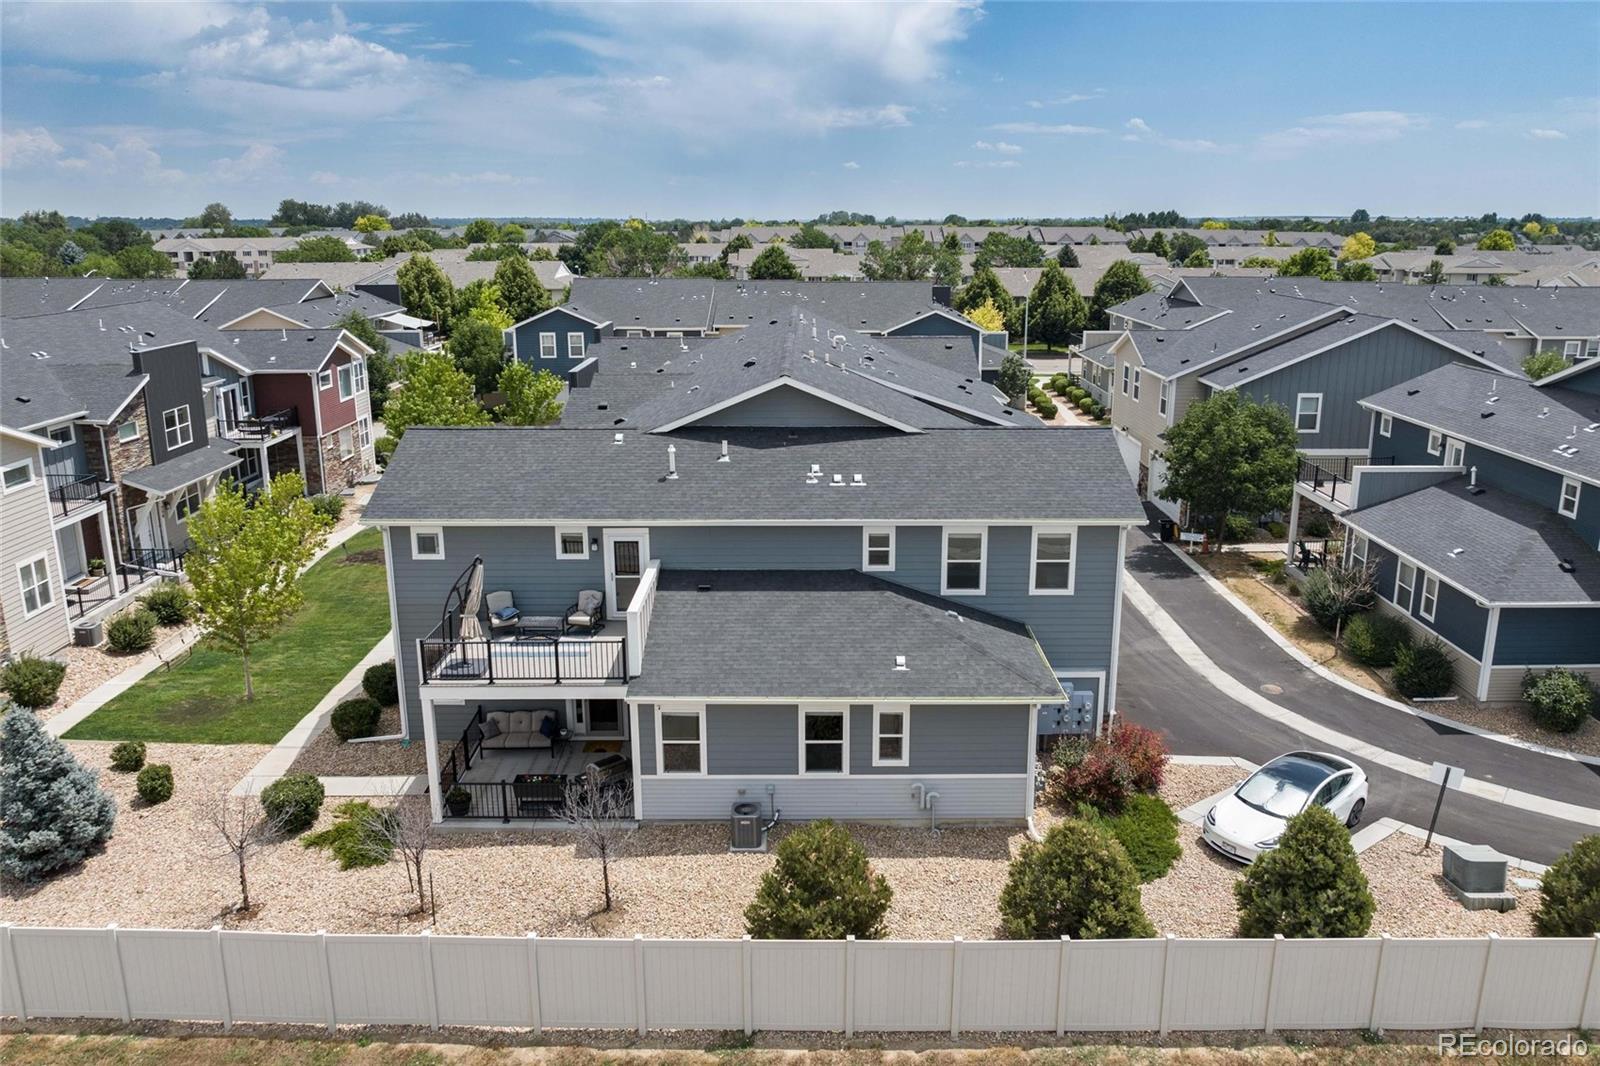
{"points": [[1052, 562], [963, 561], [347, 381], [1127, 377], [575, 346], [325, 380], [18, 475], [1138, 376], [358, 375], [878, 548], [1385, 425], [1308, 412], [1164, 400], [179, 430], [547, 346], [1570, 491]]}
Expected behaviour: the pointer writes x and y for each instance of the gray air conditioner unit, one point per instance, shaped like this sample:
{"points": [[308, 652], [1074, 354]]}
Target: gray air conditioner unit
{"points": [[745, 831]]}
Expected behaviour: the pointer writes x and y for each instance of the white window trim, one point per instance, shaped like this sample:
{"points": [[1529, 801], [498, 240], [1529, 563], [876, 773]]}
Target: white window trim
{"points": [[72, 434], [1577, 494], [1401, 566], [137, 432], [1572, 349], [1164, 397], [358, 376], [33, 475], [1435, 442], [1316, 425], [1138, 379], [47, 597], [437, 531], [324, 380], [1424, 609], [583, 538], [1127, 377], [1451, 447], [844, 742], [1033, 561], [346, 376], [347, 442], [1359, 558], [866, 554], [188, 491], [575, 344], [1385, 425], [983, 560], [661, 762], [364, 432], [186, 426], [551, 338], [904, 711]]}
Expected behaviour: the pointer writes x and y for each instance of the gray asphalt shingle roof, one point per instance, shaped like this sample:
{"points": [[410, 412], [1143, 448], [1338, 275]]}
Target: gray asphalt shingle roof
{"points": [[1524, 420], [1495, 545], [186, 469], [529, 475], [829, 634]]}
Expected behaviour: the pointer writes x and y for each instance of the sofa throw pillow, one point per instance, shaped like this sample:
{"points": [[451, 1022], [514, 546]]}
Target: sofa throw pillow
{"points": [[506, 614], [491, 729], [547, 727]]}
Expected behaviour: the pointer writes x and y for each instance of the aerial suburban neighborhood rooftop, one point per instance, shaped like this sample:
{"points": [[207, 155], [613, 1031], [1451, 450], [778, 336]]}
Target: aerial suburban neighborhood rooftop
{"points": [[510, 596]]}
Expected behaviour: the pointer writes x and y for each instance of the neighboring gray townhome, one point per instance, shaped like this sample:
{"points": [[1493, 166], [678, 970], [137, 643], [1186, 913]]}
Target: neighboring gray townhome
{"points": [[1480, 509], [792, 566]]}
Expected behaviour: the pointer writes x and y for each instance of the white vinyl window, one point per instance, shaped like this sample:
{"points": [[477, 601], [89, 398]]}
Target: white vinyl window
{"points": [[128, 431], [188, 502], [1359, 549], [35, 578], [1570, 491], [325, 380], [179, 429], [877, 548], [1127, 377], [680, 742], [891, 734], [63, 435], [347, 381], [347, 442], [572, 542], [1164, 397], [547, 346], [575, 346], [1592, 349], [1308, 412], [1435, 442], [364, 431], [823, 736], [1385, 425], [1455, 453], [18, 475], [427, 542], [965, 562], [1430, 596], [1572, 349], [1051, 571], [1405, 585], [358, 374], [1138, 376]]}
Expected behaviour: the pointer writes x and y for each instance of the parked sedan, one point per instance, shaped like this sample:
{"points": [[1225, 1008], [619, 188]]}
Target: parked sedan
{"points": [[1250, 820]]}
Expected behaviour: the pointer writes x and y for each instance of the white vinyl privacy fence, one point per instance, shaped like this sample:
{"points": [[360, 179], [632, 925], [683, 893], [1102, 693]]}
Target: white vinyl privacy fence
{"points": [[843, 986]]}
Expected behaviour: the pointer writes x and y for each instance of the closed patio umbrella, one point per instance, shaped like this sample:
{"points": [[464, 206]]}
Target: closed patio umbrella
{"points": [[471, 628]]}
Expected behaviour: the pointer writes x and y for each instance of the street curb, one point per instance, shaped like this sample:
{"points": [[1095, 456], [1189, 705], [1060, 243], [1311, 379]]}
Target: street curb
{"points": [[1321, 671]]}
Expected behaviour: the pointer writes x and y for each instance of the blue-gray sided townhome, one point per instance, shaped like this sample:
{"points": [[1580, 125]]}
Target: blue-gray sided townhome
{"points": [[789, 563]]}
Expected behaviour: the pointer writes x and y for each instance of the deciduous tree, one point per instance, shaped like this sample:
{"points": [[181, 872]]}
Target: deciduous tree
{"points": [[433, 391], [529, 397], [988, 317], [521, 293], [1056, 308], [1123, 280], [984, 288], [245, 559], [1498, 240], [1358, 246], [478, 348], [425, 291], [1309, 263], [223, 266], [600, 817], [481, 231], [1543, 364], [318, 250], [1228, 453], [774, 263]]}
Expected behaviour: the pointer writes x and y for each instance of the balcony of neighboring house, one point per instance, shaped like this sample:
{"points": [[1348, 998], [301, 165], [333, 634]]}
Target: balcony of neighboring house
{"points": [[1330, 480], [485, 639], [258, 430], [73, 493]]}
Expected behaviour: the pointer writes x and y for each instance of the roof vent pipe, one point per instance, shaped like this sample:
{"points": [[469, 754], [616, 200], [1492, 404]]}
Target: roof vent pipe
{"points": [[672, 462], [724, 456], [1473, 477]]}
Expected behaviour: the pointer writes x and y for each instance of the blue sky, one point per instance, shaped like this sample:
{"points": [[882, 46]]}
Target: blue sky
{"points": [[786, 110]]}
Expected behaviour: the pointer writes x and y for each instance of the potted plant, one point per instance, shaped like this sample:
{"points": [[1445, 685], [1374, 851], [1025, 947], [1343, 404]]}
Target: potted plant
{"points": [[97, 567], [458, 801]]}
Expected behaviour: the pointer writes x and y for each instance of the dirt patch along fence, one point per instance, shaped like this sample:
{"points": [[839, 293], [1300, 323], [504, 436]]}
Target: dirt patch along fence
{"points": [[1156, 985]]}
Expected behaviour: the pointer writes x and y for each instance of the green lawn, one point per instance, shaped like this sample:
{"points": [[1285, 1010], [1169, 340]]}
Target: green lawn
{"points": [[201, 700]]}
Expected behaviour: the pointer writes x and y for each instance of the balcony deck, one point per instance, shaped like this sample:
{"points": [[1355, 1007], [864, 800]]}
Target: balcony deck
{"points": [[600, 659], [1331, 481]]}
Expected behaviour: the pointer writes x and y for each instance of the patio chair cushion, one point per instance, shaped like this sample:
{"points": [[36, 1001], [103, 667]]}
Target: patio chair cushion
{"points": [[589, 601], [521, 721], [491, 727], [507, 614], [579, 618]]}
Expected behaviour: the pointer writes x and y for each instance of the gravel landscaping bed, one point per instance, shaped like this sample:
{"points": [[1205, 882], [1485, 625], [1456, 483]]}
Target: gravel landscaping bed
{"points": [[327, 756], [89, 668], [1515, 720]]}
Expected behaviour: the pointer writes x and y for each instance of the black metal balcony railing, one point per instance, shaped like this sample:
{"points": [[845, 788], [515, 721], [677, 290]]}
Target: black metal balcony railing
{"points": [[550, 660], [1331, 476], [74, 490], [527, 796], [257, 427]]}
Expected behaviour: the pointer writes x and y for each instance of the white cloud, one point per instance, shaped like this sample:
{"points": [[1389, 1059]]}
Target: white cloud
{"points": [[111, 32], [851, 164], [1138, 125], [325, 177], [28, 147], [1069, 98], [1003, 147], [1349, 127], [1546, 134], [38, 75], [1471, 124], [482, 177], [1141, 131], [304, 56], [1065, 128], [254, 163], [988, 164], [842, 118]]}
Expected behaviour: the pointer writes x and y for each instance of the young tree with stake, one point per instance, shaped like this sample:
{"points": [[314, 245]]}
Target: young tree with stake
{"points": [[600, 819], [244, 828]]}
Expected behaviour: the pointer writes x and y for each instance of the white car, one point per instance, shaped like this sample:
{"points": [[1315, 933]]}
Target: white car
{"points": [[1250, 819]]}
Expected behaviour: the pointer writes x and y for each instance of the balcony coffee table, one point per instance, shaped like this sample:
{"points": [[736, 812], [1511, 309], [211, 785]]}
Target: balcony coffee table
{"points": [[539, 625]]}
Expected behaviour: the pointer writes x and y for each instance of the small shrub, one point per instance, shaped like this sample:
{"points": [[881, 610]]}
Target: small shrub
{"points": [[1569, 893], [128, 756], [355, 718], [1375, 639], [53, 812], [1077, 882], [1424, 669], [1105, 771], [293, 802], [1045, 407], [154, 783], [383, 448], [1270, 568], [1318, 526], [1147, 830], [820, 888], [32, 682], [353, 839], [1059, 384], [1560, 699], [132, 630], [1310, 885], [170, 603], [1236, 527], [328, 505], [382, 684], [1278, 530]]}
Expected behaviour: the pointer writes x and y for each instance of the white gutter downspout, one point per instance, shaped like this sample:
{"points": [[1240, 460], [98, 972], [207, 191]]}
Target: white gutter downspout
{"points": [[1108, 702], [1484, 668]]}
